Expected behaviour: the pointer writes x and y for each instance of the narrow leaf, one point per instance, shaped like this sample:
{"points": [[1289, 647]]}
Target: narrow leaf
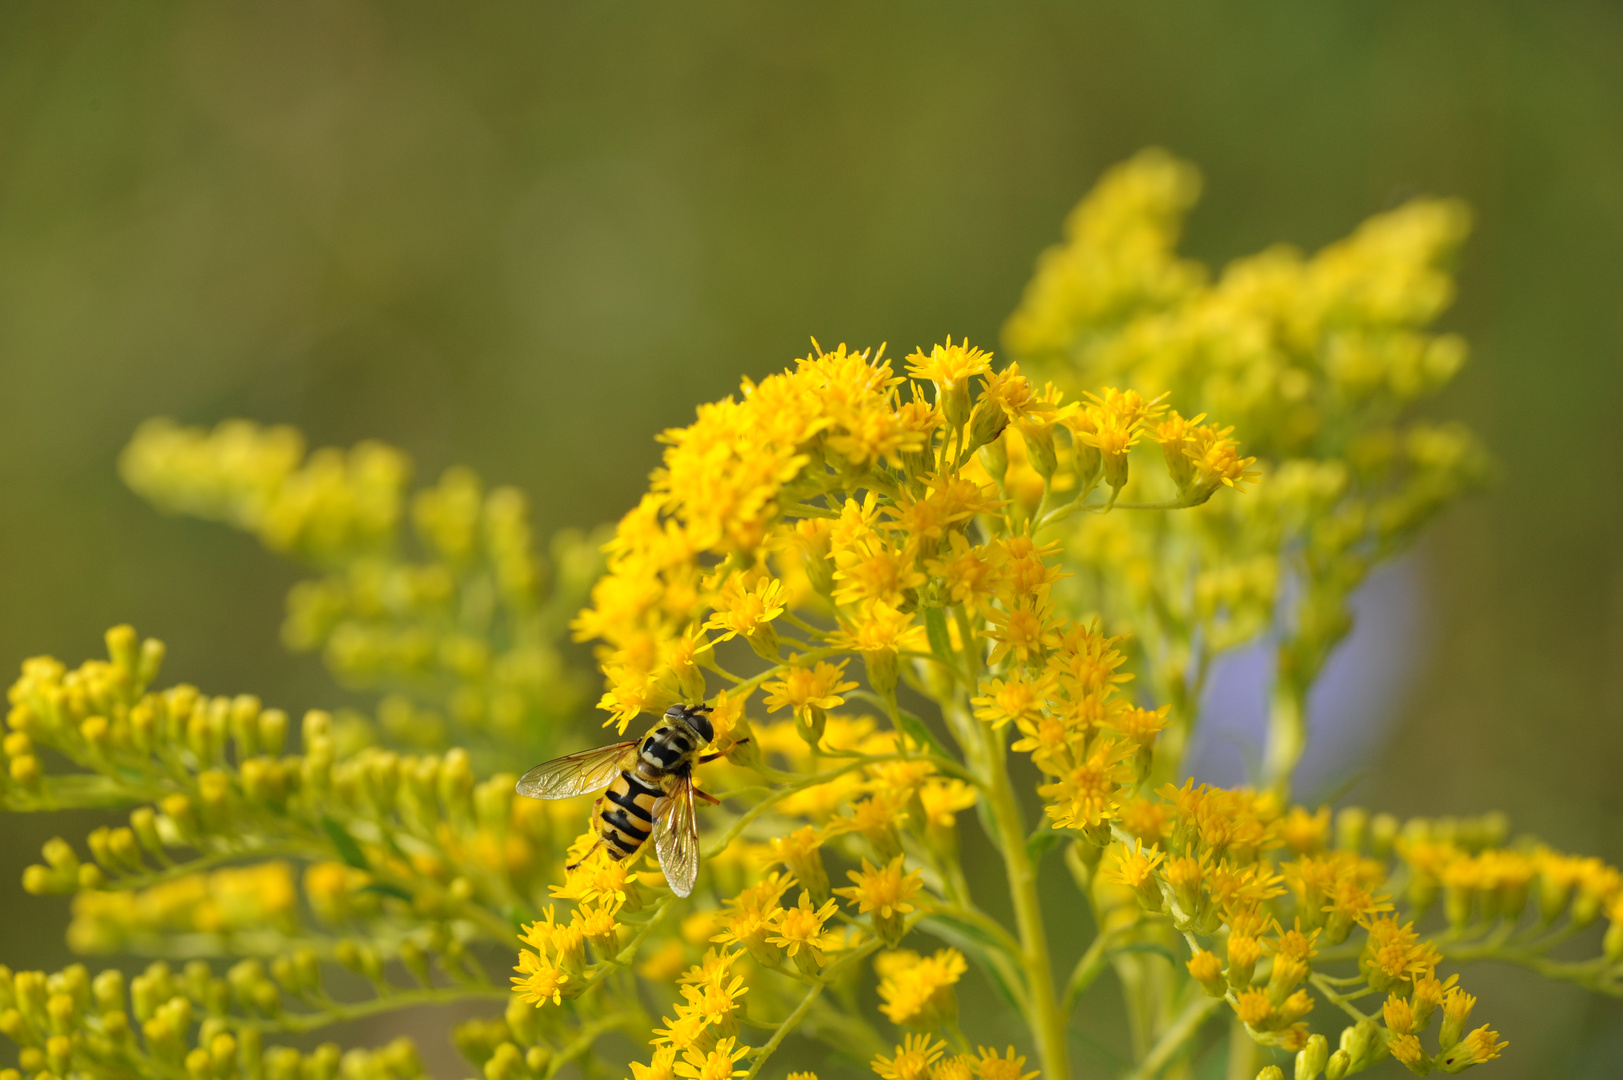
{"points": [[348, 849]]}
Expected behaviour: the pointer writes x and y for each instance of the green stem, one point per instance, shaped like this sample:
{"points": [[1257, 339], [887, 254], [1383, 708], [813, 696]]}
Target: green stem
{"points": [[792, 1021], [1340, 1001], [1287, 732], [403, 999], [783, 793], [1245, 1056], [1175, 1035], [1093, 962], [582, 1043], [1048, 1025]]}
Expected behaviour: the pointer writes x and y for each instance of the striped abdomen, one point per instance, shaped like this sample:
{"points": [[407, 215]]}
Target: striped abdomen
{"points": [[625, 817]]}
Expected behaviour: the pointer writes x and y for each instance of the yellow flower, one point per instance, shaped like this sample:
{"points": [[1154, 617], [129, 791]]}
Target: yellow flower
{"points": [[752, 917], [1115, 421], [715, 1065], [950, 367], [1018, 697], [1406, 1048], [1481, 1045], [1089, 792], [715, 1000], [687, 1032], [1457, 1006], [1135, 868], [538, 981], [601, 928], [992, 1066], [1217, 461], [912, 1059], [661, 1067], [878, 818], [1395, 953], [969, 575], [804, 689], [885, 892], [745, 612], [665, 963], [1398, 1016], [879, 630], [801, 853], [1253, 1007], [875, 570], [596, 878], [918, 991], [1206, 969], [1305, 833], [942, 799], [1140, 725], [800, 932], [1024, 630]]}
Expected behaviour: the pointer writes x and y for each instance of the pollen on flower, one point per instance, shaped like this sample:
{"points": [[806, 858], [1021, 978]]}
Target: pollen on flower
{"points": [[1479, 1046], [1018, 697], [917, 990], [803, 688], [884, 889], [994, 1066], [800, 931], [717, 1064], [538, 979], [662, 1066], [912, 1059]]}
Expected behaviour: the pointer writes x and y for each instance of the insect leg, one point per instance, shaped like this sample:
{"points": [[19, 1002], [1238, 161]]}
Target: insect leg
{"points": [[706, 759], [590, 852]]}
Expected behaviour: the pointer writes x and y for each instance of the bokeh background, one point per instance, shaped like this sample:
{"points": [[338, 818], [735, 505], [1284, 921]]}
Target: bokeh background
{"points": [[528, 236]]}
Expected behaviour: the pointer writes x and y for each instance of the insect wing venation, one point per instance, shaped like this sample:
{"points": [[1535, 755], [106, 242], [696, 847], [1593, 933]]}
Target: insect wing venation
{"points": [[576, 774], [676, 838]]}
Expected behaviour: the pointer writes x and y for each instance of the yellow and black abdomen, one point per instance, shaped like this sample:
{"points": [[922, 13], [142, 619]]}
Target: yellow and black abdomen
{"points": [[625, 817]]}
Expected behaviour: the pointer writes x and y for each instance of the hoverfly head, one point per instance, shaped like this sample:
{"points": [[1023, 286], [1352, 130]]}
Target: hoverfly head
{"points": [[694, 717]]}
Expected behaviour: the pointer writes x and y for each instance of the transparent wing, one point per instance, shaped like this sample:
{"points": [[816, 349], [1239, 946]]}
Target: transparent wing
{"points": [[676, 838], [576, 774]]}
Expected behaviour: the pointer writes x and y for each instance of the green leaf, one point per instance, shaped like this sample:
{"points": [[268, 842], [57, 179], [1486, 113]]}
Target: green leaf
{"points": [[1042, 841], [935, 628], [387, 890], [914, 729], [348, 849], [980, 947], [1146, 947]]}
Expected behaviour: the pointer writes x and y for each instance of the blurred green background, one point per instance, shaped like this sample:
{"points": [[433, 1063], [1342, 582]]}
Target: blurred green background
{"points": [[528, 236]]}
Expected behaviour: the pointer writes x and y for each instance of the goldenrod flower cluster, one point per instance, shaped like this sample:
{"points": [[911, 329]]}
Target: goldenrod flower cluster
{"points": [[457, 618], [884, 578], [1313, 363]]}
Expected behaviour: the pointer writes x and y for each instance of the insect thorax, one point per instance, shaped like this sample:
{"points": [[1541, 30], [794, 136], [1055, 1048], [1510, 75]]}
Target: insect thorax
{"points": [[666, 750]]}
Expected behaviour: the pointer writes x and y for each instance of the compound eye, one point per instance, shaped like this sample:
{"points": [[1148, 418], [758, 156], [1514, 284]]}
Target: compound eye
{"points": [[701, 724]]}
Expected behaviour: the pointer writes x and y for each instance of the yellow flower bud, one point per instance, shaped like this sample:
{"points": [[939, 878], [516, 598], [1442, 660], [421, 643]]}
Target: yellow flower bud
{"points": [[1206, 969], [1311, 1059]]}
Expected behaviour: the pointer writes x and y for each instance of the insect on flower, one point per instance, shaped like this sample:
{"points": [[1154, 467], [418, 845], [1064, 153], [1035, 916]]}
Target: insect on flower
{"points": [[650, 791]]}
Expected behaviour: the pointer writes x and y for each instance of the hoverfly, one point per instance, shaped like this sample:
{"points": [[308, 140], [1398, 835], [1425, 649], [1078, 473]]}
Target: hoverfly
{"points": [[650, 791]]}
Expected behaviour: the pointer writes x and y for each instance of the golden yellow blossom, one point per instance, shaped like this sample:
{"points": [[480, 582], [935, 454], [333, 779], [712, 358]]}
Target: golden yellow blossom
{"points": [[803, 688], [717, 1064], [912, 1059], [917, 990], [885, 892], [1007, 1066]]}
